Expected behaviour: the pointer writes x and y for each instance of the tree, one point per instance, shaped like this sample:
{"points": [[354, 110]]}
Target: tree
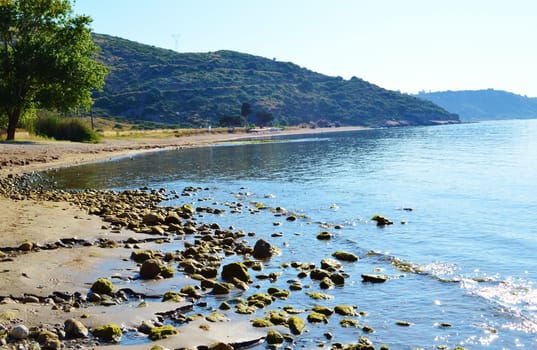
{"points": [[47, 59], [246, 110]]}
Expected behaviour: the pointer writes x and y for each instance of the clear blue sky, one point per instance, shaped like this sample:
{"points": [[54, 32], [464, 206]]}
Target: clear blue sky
{"points": [[405, 45]]}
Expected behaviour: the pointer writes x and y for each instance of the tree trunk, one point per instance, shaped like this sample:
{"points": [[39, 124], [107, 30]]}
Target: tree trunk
{"points": [[13, 120]]}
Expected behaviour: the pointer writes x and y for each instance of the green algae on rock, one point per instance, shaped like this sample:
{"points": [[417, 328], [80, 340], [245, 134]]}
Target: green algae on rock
{"points": [[157, 333], [296, 324], [110, 332], [274, 337], [102, 286]]}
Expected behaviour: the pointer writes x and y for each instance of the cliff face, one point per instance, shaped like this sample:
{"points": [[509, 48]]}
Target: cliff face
{"points": [[191, 89], [475, 105]]}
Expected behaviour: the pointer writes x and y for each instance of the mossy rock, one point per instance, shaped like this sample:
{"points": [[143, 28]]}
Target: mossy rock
{"points": [[187, 209], [142, 255], [323, 310], [316, 317], [326, 283], [224, 306], [274, 337], [261, 322], [191, 291], [221, 346], [345, 310], [277, 317], [259, 300], [245, 309], [345, 256], [296, 324], [221, 288], [157, 333], [330, 265], [337, 278], [319, 295], [172, 296], [278, 293], [109, 332], [216, 317], [349, 323], [102, 286], [235, 270], [166, 271], [324, 236]]}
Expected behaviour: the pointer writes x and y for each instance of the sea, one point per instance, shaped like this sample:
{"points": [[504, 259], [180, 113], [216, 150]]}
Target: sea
{"points": [[461, 254]]}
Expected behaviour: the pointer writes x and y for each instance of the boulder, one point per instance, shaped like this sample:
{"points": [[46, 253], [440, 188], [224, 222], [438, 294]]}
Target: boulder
{"points": [[157, 333], [296, 325], [102, 286], [75, 329], [49, 340], [153, 219], [109, 332], [324, 236], [262, 249], [150, 269], [19, 332], [235, 270], [274, 337]]}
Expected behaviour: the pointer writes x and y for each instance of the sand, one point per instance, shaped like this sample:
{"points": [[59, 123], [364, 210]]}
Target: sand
{"points": [[42, 272]]}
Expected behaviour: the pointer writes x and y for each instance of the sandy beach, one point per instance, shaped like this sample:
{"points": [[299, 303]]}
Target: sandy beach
{"points": [[43, 248]]}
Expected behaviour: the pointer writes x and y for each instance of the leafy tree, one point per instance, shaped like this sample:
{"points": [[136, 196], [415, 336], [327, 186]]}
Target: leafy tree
{"points": [[47, 59], [263, 118], [231, 121], [246, 110]]}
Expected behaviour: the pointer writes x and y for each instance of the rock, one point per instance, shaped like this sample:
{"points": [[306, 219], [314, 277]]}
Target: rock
{"points": [[190, 291], [172, 296], [345, 256], [49, 340], [345, 310], [150, 269], [157, 333], [315, 317], [153, 219], [337, 278], [319, 274], [109, 332], [221, 288], [330, 265], [142, 255], [235, 270], [102, 286], [172, 218], [259, 300], [274, 337], [323, 310], [326, 283], [296, 325], [381, 220], [374, 278], [30, 299], [75, 329], [221, 346], [262, 249], [261, 323], [19, 332], [26, 246], [324, 236]]}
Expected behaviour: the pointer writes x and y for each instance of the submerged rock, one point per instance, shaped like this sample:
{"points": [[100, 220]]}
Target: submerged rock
{"points": [[381, 220]]}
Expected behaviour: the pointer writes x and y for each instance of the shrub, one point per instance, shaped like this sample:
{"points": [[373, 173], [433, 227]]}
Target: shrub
{"points": [[71, 129]]}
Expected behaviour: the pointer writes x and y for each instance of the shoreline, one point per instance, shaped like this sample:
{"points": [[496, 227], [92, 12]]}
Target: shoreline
{"points": [[55, 247], [21, 157]]}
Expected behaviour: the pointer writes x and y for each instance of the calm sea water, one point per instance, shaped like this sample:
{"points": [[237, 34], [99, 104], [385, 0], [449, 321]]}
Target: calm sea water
{"points": [[472, 233]]}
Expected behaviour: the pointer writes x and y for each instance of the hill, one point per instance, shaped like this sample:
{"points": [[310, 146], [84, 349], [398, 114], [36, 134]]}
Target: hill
{"points": [[475, 105], [194, 89]]}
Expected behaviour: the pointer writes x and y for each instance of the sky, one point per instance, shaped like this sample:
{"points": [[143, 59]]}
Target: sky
{"points": [[404, 45]]}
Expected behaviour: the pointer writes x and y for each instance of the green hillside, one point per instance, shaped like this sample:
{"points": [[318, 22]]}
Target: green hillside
{"points": [[193, 89], [475, 105]]}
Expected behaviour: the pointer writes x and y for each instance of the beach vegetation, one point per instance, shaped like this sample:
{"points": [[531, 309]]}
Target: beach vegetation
{"points": [[69, 129], [47, 60]]}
